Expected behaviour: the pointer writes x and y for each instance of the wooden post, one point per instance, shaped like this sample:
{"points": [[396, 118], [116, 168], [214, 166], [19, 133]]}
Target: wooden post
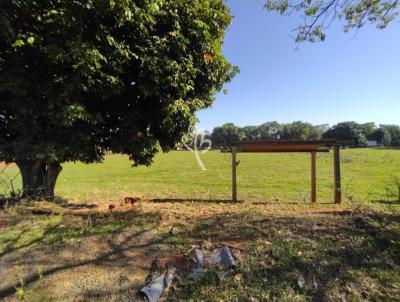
{"points": [[336, 169], [313, 178], [234, 164]]}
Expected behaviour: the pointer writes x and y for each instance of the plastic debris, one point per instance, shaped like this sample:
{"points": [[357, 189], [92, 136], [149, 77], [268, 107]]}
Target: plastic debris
{"points": [[217, 257], [301, 281], [156, 287]]}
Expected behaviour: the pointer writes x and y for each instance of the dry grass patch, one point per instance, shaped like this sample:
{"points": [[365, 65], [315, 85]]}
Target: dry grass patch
{"points": [[337, 254]]}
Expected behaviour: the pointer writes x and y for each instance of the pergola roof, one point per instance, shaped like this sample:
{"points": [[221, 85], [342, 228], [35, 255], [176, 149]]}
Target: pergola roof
{"points": [[286, 146]]}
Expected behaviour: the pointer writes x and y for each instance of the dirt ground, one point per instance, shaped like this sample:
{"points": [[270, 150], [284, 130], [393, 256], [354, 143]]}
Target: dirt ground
{"points": [[3, 164], [99, 254]]}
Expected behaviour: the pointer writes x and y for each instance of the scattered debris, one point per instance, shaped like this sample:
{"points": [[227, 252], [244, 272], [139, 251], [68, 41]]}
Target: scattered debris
{"points": [[180, 261], [301, 281], [132, 200], [155, 288], [218, 258], [238, 278], [204, 260]]}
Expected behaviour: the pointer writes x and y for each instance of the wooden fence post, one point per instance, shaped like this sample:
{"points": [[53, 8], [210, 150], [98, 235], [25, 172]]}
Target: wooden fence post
{"points": [[338, 187], [313, 178], [234, 164]]}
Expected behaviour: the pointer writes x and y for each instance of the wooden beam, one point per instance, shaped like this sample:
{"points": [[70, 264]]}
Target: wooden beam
{"points": [[286, 146], [337, 180], [313, 178], [234, 164]]}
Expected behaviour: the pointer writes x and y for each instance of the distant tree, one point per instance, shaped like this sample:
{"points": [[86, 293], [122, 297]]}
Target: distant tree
{"points": [[322, 128], [300, 131], [367, 129], [250, 133], [386, 138], [394, 131], [270, 131], [227, 135], [317, 15], [382, 136], [350, 131], [81, 77]]}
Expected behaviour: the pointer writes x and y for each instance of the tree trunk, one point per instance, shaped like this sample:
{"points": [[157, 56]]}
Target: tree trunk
{"points": [[52, 172], [39, 178]]}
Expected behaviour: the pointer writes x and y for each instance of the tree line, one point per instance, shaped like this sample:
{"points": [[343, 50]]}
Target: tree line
{"points": [[350, 133]]}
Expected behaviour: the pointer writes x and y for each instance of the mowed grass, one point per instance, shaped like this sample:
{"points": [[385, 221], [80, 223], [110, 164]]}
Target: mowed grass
{"points": [[367, 176], [342, 253]]}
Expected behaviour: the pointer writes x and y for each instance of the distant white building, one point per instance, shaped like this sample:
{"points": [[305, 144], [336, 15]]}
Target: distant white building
{"points": [[372, 143]]}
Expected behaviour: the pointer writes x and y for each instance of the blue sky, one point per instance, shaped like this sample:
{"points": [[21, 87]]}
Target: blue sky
{"points": [[348, 77]]}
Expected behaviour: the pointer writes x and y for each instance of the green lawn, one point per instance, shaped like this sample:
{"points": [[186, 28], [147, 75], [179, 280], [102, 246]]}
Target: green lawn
{"points": [[341, 253], [366, 176]]}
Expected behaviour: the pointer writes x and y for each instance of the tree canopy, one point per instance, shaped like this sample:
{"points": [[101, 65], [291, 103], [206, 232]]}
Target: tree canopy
{"points": [[226, 135], [317, 15], [229, 134], [81, 77], [349, 133]]}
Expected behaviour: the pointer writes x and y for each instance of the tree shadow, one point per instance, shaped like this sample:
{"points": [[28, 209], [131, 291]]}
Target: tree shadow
{"points": [[330, 252], [386, 202], [8, 201], [325, 249], [290, 203], [64, 203], [102, 224], [199, 200]]}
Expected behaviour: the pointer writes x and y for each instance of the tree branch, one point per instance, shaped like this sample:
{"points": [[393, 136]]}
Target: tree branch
{"points": [[324, 10]]}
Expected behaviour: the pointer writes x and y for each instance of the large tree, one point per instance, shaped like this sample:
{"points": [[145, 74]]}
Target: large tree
{"points": [[300, 131], [317, 15], [226, 135], [393, 130], [382, 136], [270, 131], [347, 131], [78, 77]]}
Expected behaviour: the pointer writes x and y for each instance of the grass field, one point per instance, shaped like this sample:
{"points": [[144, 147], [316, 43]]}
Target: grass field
{"points": [[341, 253], [366, 176]]}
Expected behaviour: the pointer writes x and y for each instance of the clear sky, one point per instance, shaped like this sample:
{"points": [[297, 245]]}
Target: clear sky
{"points": [[348, 77]]}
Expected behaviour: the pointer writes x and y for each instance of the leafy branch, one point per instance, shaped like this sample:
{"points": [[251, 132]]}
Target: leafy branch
{"points": [[318, 15]]}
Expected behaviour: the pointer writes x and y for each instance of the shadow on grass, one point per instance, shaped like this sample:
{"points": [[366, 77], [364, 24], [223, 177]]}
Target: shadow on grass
{"points": [[6, 202], [63, 231], [290, 203], [339, 257], [387, 202], [187, 200]]}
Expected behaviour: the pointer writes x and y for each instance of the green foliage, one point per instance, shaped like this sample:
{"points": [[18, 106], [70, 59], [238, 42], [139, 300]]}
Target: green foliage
{"points": [[300, 131], [382, 136], [227, 135], [392, 131], [269, 131], [250, 132], [230, 134], [347, 131], [318, 15], [81, 77]]}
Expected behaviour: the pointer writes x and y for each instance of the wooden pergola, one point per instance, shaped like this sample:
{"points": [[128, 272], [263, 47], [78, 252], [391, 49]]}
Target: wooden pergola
{"points": [[312, 147]]}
